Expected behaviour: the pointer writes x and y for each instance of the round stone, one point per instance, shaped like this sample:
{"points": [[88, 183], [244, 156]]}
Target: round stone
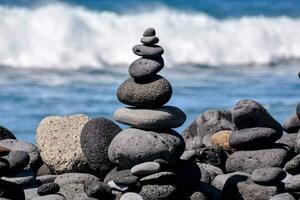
{"points": [[248, 161], [253, 138], [149, 40], [149, 93], [154, 51], [159, 192], [31, 149], [293, 184], [283, 196], [131, 196], [293, 166], [6, 134], [221, 139], [133, 146], [143, 68], [96, 136], [17, 160], [149, 32], [166, 117], [97, 190], [292, 123], [268, 175], [145, 168], [58, 139], [48, 188]]}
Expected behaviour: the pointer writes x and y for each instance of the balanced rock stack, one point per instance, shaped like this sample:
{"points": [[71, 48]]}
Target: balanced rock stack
{"points": [[149, 145]]}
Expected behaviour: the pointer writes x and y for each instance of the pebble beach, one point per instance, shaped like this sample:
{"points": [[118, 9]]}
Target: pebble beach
{"points": [[145, 153]]}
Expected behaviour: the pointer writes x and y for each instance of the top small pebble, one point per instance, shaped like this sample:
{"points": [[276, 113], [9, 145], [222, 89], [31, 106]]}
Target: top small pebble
{"points": [[149, 32]]}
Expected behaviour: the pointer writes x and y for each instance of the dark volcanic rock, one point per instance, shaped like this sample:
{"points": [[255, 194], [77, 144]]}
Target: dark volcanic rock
{"points": [[159, 192], [96, 137], [6, 134], [97, 189], [150, 40], [248, 161], [133, 146], [17, 160], [213, 155], [209, 123], [44, 170], [144, 68], [268, 175], [48, 188], [253, 138], [249, 114], [291, 124], [148, 51], [149, 93], [289, 140], [293, 166]]}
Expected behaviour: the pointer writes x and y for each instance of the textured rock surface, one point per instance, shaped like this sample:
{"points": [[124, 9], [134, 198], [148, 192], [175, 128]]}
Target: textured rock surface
{"points": [[58, 139], [145, 168], [293, 166], [151, 119], [6, 134], [159, 192], [17, 160], [268, 175], [48, 188], [283, 196], [131, 196], [96, 137], [291, 124], [97, 189], [148, 51], [248, 161], [144, 68], [221, 139], [147, 93], [293, 183], [134, 146], [209, 123]]}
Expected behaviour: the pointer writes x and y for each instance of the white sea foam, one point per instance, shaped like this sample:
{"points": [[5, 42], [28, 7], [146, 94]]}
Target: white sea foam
{"points": [[64, 36]]}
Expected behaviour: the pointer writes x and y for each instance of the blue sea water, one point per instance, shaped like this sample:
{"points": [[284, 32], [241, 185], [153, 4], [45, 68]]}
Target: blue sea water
{"points": [[67, 57]]}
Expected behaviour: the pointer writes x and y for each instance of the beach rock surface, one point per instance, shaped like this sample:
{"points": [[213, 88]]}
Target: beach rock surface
{"points": [[6, 134], [291, 124], [58, 139], [268, 175], [144, 68], [221, 139], [148, 51]]}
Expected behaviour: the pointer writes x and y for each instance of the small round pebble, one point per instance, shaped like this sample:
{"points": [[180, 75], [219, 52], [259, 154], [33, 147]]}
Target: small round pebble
{"points": [[283, 196], [268, 175], [97, 189], [150, 40], [131, 196], [48, 188], [149, 32], [145, 168]]}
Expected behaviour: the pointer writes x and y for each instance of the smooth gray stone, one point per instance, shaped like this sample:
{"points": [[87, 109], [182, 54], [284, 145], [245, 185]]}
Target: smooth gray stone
{"points": [[253, 138], [51, 197], [158, 178], [166, 117], [44, 170], [17, 145], [17, 160], [159, 192], [118, 187], [146, 168], [147, 93], [283, 196], [123, 177], [31, 193], [207, 124], [143, 68], [149, 32], [95, 138], [148, 51], [22, 178], [212, 170], [249, 114], [133, 146], [97, 190], [149, 40], [48, 188], [290, 140], [131, 196], [292, 184], [6, 134], [292, 123], [189, 155], [268, 175], [293, 166], [46, 179], [220, 180], [248, 161]]}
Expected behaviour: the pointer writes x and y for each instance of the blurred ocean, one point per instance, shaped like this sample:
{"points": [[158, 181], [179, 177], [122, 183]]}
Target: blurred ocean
{"points": [[65, 57]]}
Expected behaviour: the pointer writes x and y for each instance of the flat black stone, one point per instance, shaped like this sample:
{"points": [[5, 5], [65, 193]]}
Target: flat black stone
{"points": [[150, 40]]}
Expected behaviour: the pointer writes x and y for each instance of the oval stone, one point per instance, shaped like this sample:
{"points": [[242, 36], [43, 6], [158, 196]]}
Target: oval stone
{"points": [[131, 196], [150, 93], [133, 146], [150, 40], [148, 51], [151, 119], [144, 68], [268, 175], [145, 168], [293, 166], [48, 188], [149, 32]]}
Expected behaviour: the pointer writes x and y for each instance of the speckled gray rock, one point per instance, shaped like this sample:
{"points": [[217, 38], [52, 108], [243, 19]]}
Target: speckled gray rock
{"points": [[147, 93], [134, 146], [51, 197], [6, 134], [148, 51], [292, 123], [283, 196], [17, 160], [131, 196], [58, 139], [293, 166], [249, 114], [149, 40], [268, 175], [212, 155], [72, 184], [48, 188], [144, 68], [44, 170], [31, 193], [166, 117], [31, 149], [96, 136], [290, 140], [97, 190], [159, 192], [145, 168], [292, 184], [253, 138], [207, 124], [248, 161], [212, 170], [45, 179], [149, 32]]}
